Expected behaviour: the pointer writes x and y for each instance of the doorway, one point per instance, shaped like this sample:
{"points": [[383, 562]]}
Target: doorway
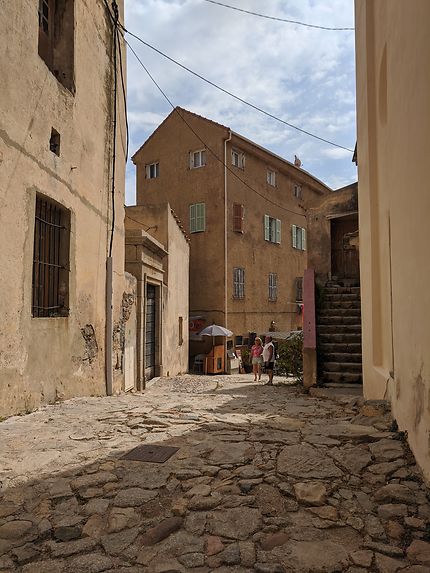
{"points": [[344, 252], [151, 331]]}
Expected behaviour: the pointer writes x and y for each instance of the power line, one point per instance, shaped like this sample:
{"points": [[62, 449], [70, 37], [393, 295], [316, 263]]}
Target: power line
{"points": [[204, 142], [268, 114], [278, 19]]}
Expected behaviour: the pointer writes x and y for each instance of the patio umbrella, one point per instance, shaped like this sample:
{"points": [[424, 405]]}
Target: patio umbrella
{"points": [[215, 330]]}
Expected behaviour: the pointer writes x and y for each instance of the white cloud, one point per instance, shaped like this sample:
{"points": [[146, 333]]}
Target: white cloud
{"points": [[302, 75]]}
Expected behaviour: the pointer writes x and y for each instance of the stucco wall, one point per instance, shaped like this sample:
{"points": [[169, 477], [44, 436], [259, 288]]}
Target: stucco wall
{"points": [[211, 272], [319, 216], [42, 359], [393, 91]]}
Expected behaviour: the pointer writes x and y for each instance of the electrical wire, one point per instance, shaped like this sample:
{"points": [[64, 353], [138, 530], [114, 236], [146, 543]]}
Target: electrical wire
{"points": [[140, 223], [124, 95], [115, 89], [249, 104], [204, 142], [279, 19]]}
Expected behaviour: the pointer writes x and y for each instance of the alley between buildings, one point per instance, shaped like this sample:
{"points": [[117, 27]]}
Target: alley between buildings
{"points": [[266, 479]]}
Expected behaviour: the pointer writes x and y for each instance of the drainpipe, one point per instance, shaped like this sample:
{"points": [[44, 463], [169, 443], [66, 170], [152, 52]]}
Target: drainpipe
{"points": [[225, 230], [109, 327]]}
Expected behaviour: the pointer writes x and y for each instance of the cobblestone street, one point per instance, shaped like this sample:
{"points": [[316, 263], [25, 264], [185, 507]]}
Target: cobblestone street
{"points": [[266, 479]]}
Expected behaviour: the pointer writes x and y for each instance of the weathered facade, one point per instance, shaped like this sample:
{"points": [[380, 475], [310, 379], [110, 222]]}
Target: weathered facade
{"points": [[157, 254], [240, 205], [56, 138], [393, 146]]}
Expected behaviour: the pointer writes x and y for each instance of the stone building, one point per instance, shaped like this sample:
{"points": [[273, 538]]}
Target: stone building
{"points": [[244, 209], [56, 156], [157, 255], [393, 146]]}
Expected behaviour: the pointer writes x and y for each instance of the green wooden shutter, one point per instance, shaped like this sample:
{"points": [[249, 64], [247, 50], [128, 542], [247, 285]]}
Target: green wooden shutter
{"points": [[278, 231], [193, 218], [266, 228], [294, 235], [201, 217], [303, 239]]}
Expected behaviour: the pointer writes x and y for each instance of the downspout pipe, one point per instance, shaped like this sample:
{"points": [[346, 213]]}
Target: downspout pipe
{"points": [[226, 229], [109, 327]]}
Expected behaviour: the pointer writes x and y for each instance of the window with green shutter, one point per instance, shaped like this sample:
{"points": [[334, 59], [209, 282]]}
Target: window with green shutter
{"points": [[272, 229], [298, 235], [197, 218]]}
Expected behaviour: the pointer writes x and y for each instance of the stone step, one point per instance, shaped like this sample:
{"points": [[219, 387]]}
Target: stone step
{"points": [[341, 377], [354, 303], [349, 367], [341, 290], [340, 297], [339, 320], [343, 357], [334, 310], [339, 347], [336, 337], [339, 329]]}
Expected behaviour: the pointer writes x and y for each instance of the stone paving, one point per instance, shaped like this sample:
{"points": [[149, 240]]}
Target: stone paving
{"points": [[267, 479]]}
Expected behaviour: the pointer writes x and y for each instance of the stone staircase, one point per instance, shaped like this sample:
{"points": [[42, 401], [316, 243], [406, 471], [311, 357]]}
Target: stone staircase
{"points": [[339, 334]]}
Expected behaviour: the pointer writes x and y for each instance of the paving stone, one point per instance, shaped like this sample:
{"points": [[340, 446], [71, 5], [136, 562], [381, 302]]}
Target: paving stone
{"points": [[395, 493], [15, 529], [161, 530], [93, 480], [363, 558], [203, 503], [415, 523], [325, 512], [192, 560], [386, 468], [236, 523], [386, 564], [311, 493], [230, 555], [133, 497], [273, 540], [195, 522], [317, 556], [65, 549], [97, 506], [247, 553], [305, 461], [214, 545], [46, 566], [394, 530], [392, 510], [116, 543], [383, 548], [353, 459], [122, 517], [374, 527], [95, 527], [387, 449], [419, 552], [67, 532], [269, 568], [93, 563], [201, 490]]}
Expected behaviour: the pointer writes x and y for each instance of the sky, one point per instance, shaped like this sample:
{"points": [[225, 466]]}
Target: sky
{"points": [[302, 75]]}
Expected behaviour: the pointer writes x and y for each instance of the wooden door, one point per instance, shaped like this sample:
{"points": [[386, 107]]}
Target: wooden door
{"points": [[344, 255]]}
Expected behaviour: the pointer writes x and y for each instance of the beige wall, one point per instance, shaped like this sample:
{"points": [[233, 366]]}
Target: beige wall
{"points": [[42, 359], [393, 94], [165, 264], [211, 280]]}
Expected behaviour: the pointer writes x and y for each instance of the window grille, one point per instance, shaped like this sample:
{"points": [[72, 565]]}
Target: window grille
{"points": [[51, 259], [238, 282]]}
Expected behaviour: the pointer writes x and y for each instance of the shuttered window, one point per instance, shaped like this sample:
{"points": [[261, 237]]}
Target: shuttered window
{"points": [[298, 236], [238, 217], [238, 158], [197, 218], [197, 159], [272, 229], [238, 282], [273, 286]]}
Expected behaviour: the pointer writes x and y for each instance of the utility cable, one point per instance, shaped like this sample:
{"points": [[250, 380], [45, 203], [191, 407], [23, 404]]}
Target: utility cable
{"points": [[115, 89], [204, 143], [124, 95], [278, 19], [249, 104]]}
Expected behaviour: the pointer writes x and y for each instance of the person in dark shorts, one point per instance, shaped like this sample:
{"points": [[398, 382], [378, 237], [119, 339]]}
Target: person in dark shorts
{"points": [[269, 358]]}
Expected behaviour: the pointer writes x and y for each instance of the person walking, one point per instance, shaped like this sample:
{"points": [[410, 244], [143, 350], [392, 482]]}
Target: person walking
{"points": [[256, 358], [269, 358]]}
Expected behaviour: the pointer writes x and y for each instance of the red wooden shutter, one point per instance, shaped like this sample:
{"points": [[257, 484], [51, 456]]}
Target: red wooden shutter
{"points": [[238, 217]]}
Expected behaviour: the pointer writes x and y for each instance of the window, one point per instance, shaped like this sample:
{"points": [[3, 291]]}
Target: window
{"points": [[273, 286], [197, 159], [197, 217], [51, 259], [238, 282], [238, 216], [152, 170], [181, 331], [271, 177], [299, 289], [298, 237], [238, 159], [54, 142], [272, 229], [56, 39], [297, 191]]}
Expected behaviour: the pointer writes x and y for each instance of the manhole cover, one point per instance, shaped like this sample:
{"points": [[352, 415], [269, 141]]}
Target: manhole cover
{"points": [[156, 454]]}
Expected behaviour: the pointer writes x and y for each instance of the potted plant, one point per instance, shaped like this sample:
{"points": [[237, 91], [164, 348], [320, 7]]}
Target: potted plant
{"points": [[247, 366]]}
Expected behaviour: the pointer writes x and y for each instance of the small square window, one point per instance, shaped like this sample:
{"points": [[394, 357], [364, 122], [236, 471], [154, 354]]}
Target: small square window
{"points": [[197, 159], [297, 191], [152, 170], [238, 159], [271, 177], [54, 142]]}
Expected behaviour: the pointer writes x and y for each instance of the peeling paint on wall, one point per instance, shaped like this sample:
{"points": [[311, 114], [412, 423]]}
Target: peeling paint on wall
{"points": [[128, 299], [91, 346]]}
